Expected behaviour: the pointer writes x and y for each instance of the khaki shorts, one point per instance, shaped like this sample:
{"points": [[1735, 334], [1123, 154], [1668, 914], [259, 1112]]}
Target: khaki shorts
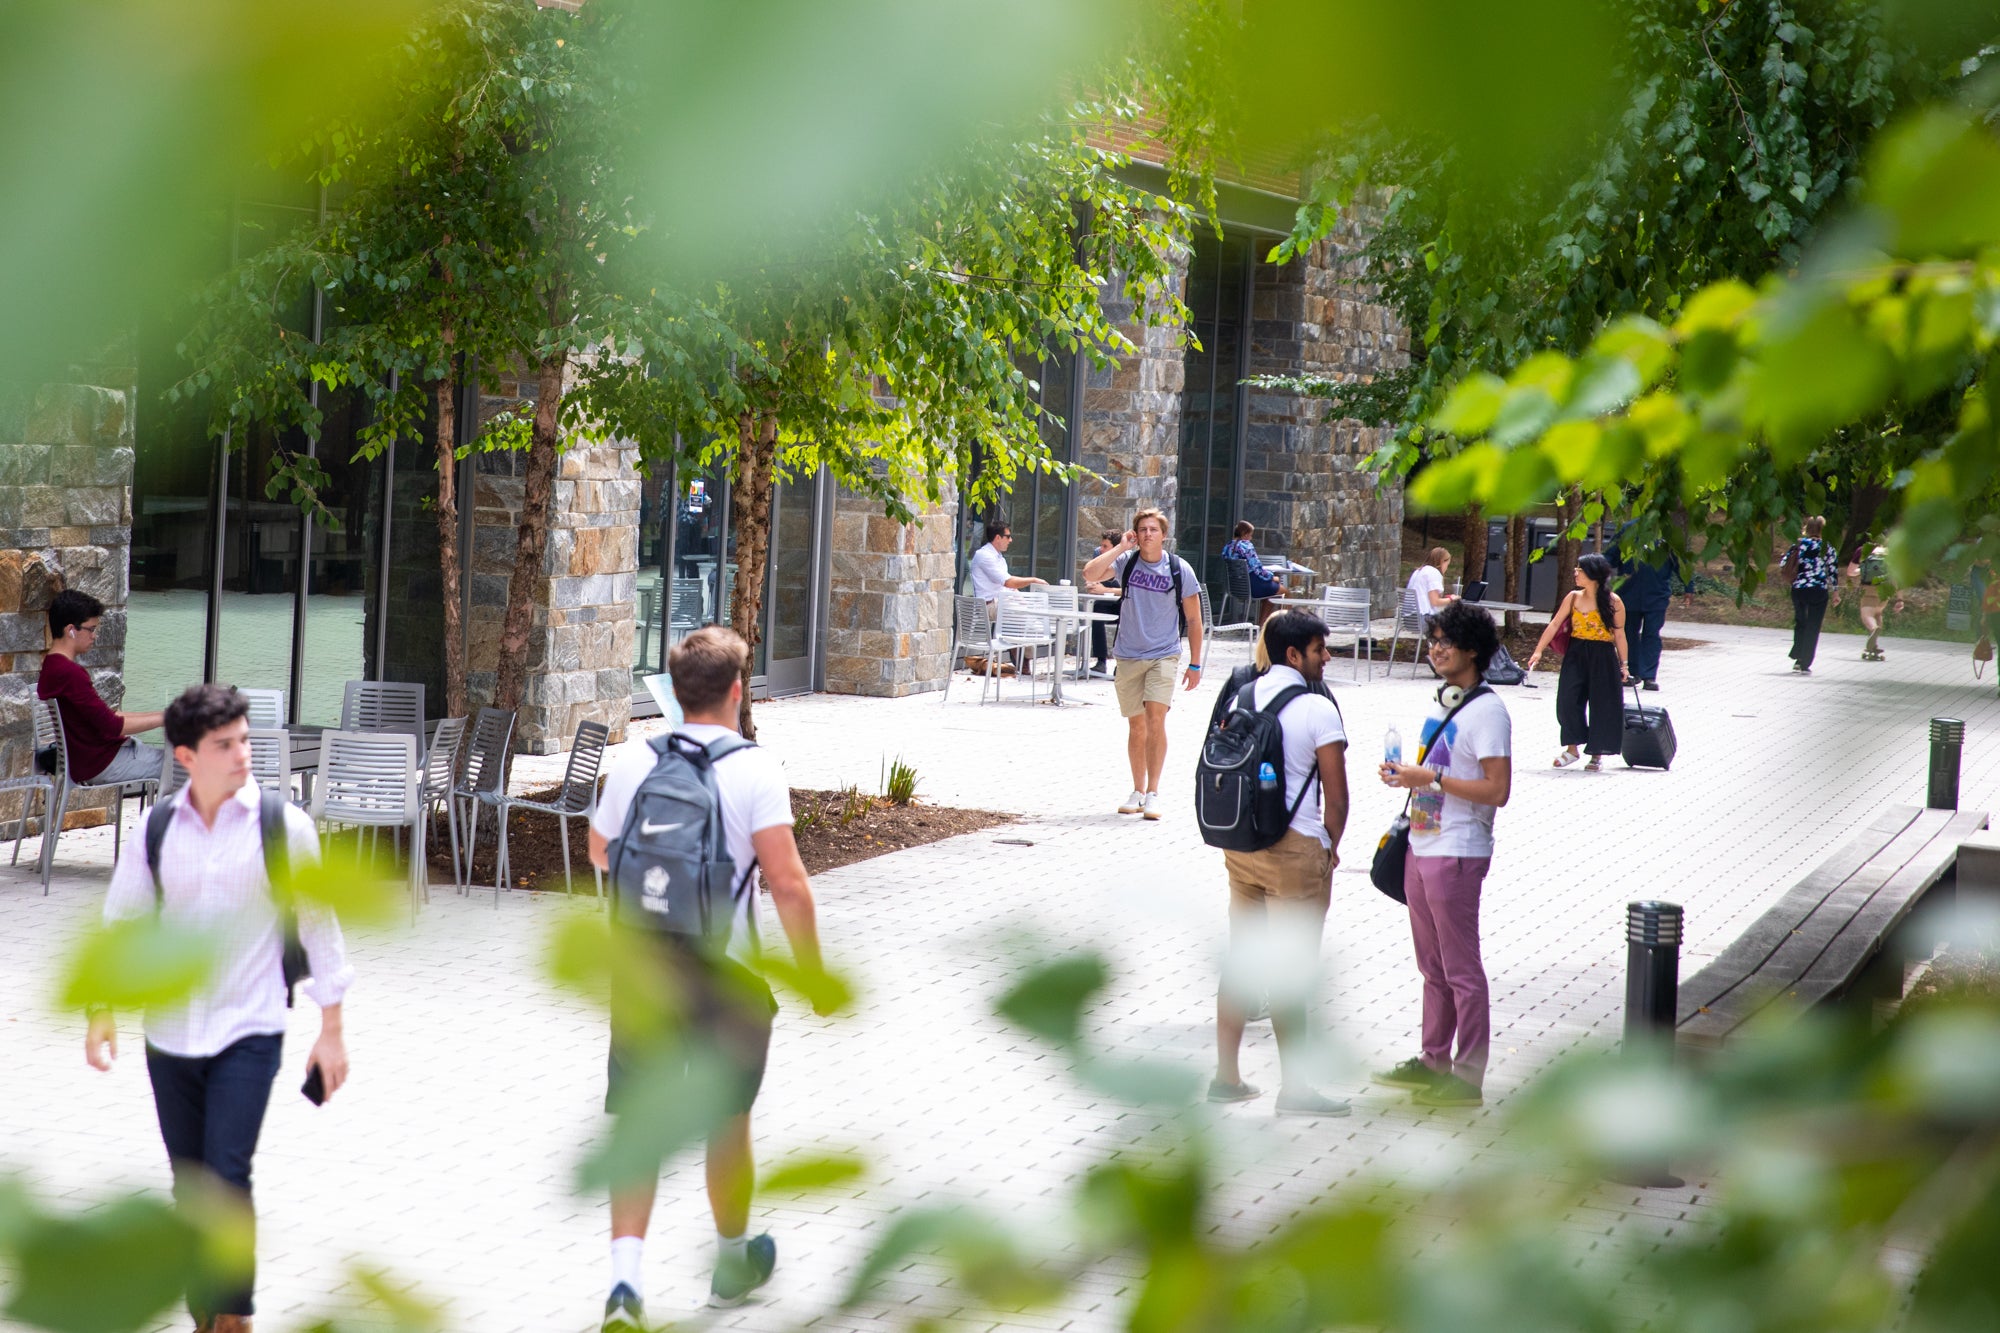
{"points": [[1277, 911], [1146, 680], [1295, 869]]}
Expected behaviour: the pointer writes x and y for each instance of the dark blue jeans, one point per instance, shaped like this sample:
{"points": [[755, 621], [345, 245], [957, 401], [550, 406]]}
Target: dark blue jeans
{"points": [[211, 1111], [1642, 634]]}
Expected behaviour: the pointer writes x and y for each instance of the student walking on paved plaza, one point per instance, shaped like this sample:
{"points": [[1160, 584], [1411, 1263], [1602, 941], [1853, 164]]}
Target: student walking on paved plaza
{"points": [[1647, 592], [1278, 896], [1161, 606], [1810, 568], [1868, 570], [101, 748], [1588, 692], [208, 862], [724, 1008], [1464, 773]]}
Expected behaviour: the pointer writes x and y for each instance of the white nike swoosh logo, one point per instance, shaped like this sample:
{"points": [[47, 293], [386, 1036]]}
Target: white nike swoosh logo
{"points": [[645, 827]]}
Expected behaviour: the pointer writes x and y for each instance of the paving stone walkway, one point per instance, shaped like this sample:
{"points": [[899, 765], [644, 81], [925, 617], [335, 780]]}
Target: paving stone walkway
{"points": [[448, 1160]]}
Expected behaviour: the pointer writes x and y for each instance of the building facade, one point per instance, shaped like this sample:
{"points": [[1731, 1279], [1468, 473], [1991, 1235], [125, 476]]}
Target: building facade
{"points": [[114, 485]]}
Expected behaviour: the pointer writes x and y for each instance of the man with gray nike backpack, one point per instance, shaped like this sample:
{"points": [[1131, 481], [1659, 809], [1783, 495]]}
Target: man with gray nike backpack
{"points": [[1280, 744], [685, 824]]}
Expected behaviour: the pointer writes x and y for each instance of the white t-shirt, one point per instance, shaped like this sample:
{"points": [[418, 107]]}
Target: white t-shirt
{"points": [[754, 793], [1443, 825], [989, 572], [1308, 722], [1426, 580]]}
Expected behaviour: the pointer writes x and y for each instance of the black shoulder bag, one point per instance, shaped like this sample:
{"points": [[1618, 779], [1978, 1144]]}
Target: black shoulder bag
{"points": [[1393, 850]]}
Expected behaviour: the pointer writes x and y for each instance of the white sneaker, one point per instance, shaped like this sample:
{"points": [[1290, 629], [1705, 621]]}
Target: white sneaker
{"points": [[1134, 803], [1152, 806]]}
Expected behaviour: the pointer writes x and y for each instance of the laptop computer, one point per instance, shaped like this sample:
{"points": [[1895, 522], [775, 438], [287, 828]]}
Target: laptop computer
{"points": [[1475, 591]]}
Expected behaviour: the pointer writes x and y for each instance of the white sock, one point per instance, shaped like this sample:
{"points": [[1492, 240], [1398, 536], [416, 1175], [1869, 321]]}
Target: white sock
{"points": [[732, 1247], [626, 1254]]}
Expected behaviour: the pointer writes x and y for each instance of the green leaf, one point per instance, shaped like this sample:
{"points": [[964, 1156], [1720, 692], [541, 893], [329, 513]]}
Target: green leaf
{"points": [[675, 1093], [1050, 1000], [803, 1174], [826, 992], [1525, 480], [1447, 485], [1548, 371], [1640, 341], [1718, 307], [1527, 412], [986, 1260], [1140, 1082], [138, 963], [1937, 177], [112, 1270], [1571, 448], [1471, 406], [1818, 368], [1603, 385], [345, 883]]}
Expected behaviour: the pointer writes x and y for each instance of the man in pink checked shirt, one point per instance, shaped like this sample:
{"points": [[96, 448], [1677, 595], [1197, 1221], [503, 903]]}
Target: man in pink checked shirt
{"points": [[212, 1058]]}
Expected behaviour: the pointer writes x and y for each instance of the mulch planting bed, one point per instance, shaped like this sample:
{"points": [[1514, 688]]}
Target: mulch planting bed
{"points": [[834, 828]]}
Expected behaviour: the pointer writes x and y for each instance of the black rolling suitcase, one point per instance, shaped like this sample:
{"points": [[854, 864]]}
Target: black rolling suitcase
{"points": [[1649, 736]]}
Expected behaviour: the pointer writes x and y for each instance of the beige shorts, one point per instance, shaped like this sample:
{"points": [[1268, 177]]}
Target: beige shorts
{"points": [[1146, 680], [1295, 869]]}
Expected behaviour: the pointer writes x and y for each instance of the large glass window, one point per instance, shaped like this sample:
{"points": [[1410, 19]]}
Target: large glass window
{"points": [[1212, 403], [338, 610], [1041, 507], [173, 485]]}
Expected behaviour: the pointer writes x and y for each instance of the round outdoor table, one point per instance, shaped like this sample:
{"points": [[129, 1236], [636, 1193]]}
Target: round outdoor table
{"points": [[1080, 618]]}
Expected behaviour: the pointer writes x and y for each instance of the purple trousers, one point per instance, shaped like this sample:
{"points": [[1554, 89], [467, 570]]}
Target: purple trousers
{"points": [[1443, 893]]}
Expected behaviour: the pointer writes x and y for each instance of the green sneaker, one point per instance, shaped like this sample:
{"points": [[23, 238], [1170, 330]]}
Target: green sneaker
{"points": [[1448, 1090], [735, 1279], [1413, 1073]]}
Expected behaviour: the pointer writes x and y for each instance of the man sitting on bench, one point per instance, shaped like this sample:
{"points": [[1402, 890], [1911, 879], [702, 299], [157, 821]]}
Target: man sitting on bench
{"points": [[101, 750]]}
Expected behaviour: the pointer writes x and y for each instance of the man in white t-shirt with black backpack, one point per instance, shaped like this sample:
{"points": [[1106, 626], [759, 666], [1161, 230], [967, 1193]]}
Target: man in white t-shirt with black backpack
{"points": [[1280, 846], [685, 823]]}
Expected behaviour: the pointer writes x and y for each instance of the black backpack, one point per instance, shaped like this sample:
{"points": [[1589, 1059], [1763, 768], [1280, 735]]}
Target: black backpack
{"points": [[277, 869], [671, 871], [1233, 808]]}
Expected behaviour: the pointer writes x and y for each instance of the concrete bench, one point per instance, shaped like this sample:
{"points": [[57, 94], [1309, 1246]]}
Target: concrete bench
{"points": [[1832, 935]]}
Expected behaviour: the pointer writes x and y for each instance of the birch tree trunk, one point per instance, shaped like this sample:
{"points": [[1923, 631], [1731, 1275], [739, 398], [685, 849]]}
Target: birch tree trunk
{"points": [[532, 537], [449, 573], [750, 520]]}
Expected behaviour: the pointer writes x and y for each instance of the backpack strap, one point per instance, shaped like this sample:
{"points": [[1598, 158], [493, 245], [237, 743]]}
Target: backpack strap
{"points": [[158, 820], [1276, 706], [277, 847]]}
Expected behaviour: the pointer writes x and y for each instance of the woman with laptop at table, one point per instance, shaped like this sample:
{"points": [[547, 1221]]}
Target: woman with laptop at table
{"points": [[1262, 585]]}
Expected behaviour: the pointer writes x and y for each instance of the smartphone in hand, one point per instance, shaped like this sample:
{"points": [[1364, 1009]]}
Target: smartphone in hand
{"points": [[315, 1086]]}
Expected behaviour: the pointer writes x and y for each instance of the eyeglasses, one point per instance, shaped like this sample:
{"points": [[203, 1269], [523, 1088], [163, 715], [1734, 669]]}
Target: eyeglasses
{"points": [[1438, 645]]}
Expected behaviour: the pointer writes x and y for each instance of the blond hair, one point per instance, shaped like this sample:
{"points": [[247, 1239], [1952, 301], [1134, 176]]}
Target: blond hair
{"points": [[1260, 656], [1816, 525], [1153, 514]]}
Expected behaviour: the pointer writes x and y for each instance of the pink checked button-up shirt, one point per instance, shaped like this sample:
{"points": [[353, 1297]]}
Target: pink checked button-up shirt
{"points": [[213, 879]]}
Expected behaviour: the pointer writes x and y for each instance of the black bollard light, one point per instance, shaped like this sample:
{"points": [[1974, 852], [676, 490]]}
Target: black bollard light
{"points": [[1947, 745], [1652, 993]]}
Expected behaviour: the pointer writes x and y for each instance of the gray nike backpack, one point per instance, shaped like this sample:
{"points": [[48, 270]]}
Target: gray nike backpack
{"points": [[671, 871]]}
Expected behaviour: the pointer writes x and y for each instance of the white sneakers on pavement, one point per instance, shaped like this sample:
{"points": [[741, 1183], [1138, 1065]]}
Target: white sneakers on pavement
{"points": [[1134, 804]]}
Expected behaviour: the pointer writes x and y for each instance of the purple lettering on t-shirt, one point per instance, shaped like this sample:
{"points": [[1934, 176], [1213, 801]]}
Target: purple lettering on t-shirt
{"points": [[1150, 581]]}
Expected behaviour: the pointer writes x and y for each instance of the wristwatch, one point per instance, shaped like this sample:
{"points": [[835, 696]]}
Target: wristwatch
{"points": [[1437, 782]]}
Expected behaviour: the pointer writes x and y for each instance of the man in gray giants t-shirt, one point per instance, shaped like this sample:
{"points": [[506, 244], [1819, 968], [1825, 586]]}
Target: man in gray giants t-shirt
{"points": [[1161, 602]]}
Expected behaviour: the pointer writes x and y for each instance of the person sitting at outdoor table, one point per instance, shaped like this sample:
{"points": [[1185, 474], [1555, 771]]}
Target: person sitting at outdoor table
{"points": [[989, 564], [1426, 585], [1107, 594], [1262, 585], [101, 748]]}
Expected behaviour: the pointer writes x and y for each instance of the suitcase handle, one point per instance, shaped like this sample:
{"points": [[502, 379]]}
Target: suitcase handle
{"points": [[1637, 702]]}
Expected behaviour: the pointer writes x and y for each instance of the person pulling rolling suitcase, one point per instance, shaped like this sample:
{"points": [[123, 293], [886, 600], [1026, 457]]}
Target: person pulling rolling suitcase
{"points": [[1649, 735]]}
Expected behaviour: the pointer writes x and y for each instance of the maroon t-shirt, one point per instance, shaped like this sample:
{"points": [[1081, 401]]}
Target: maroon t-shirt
{"points": [[93, 730]]}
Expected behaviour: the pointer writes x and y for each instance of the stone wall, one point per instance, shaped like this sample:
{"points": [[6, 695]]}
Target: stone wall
{"points": [[1302, 473], [1130, 433], [889, 619], [65, 521]]}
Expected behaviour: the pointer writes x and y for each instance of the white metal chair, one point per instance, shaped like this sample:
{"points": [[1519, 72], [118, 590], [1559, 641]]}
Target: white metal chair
{"points": [[28, 785], [576, 800], [484, 770], [434, 788], [1346, 611], [49, 735], [384, 705], [1018, 627], [270, 759], [970, 629], [1211, 630], [267, 707], [368, 779], [1410, 621]]}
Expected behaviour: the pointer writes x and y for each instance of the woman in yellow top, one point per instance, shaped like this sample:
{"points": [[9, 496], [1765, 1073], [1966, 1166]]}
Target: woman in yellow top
{"points": [[1588, 693]]}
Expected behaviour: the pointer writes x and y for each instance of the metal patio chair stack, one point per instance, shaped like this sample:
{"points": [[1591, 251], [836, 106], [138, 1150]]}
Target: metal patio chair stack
{"points": [[576, 800], [368, 779], [484, 770]]}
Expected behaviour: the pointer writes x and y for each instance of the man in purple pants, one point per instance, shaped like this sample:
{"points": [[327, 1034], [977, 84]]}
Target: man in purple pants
{"points": [[1465, 774]]}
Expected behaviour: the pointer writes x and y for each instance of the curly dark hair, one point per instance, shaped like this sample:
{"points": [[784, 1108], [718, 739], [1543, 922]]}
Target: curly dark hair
{"points": [[1470, 628], [201, 709]]}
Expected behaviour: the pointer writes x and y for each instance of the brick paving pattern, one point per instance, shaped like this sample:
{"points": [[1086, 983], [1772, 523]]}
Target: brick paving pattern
{"points": [[447, 1160]]}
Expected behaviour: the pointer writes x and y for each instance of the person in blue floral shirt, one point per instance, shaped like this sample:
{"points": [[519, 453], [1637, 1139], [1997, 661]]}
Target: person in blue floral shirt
{"points": [[1262, 585], [1815, 573]]}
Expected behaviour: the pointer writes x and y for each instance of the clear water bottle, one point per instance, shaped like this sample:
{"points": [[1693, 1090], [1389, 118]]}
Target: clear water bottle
{"points": [[1392, 747], [1267, 777]]}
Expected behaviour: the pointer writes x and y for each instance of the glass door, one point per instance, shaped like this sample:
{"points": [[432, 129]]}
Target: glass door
{"points": [[785, 658]]}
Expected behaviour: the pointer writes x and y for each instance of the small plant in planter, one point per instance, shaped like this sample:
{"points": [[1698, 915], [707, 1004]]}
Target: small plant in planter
{"points": [[899, 783]]}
